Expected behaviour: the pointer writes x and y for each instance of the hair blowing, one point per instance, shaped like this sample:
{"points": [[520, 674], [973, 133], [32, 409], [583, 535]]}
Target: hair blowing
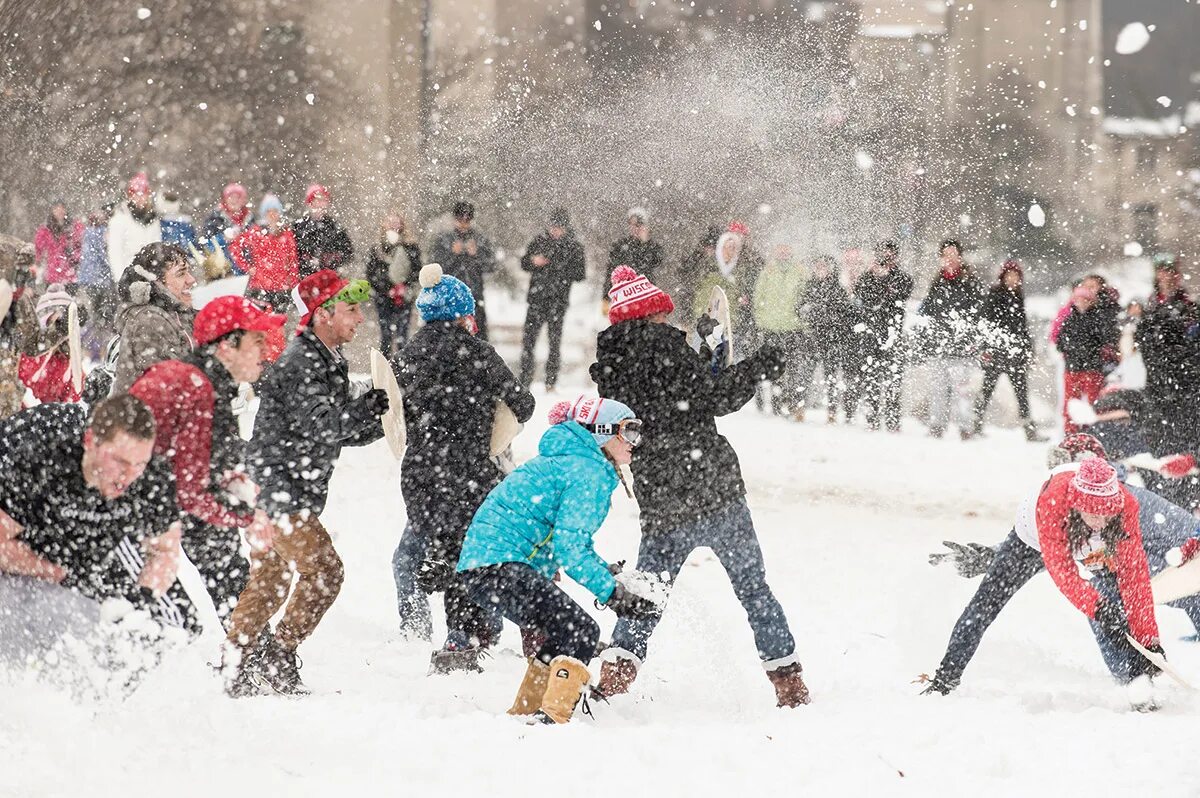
{"points": [[121, 413], [1078, 532]]}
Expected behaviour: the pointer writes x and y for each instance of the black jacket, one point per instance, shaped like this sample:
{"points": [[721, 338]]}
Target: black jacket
{"points": [[1168, 335], [466, 267], [65, 521], [322, 244], [684, 469], [305, 417], [829, 313], [451, 383], [880, 301], [228, 447], [379, 264], [1088, 341], [1005, 329], [551, 284], [644, 257], [952, 307]]}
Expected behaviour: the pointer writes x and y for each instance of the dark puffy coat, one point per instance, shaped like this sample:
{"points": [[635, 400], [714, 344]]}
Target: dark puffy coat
{"points": [[551, 284], [1004, 327], [305, 417], [322, 244], [684, 469], [880, 300], [451, 382], [1168, 335], [829, 313], [644, 257], [952, 307], [379, 269], [1088, 340], [466, 267]]}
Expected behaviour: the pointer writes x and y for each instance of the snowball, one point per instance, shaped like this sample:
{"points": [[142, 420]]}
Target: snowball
{"points": [[1133, 37], [764, 209], [1133, 250], [143, 13], [863, 160], [1037, 216], [308, 98], [1164, 101], [596, 24]]}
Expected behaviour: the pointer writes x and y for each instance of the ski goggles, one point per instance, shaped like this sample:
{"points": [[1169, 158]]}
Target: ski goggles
{"points": [[628, 430], [353, 293]]}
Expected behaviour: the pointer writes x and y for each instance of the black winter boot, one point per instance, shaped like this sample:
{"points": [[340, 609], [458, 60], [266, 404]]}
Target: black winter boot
{"points": [[280, 670]]}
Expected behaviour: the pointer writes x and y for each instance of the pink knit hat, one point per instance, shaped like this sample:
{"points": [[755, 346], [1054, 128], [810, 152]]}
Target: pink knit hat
{"points": [[633, 296], [1094, 488]]}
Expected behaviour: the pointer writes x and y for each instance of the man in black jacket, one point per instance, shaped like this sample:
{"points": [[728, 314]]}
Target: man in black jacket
{"points": [[392, 269], [306, 415], [554, 260], [87, 514], [1168, 336], [880, 295], [452, 382], [321, 243], [636, 250], [952, 340], [1007, 346], [466, 253], [686, 475]]}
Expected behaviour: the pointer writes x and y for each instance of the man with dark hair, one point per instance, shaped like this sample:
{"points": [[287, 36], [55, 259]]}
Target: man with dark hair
{"points": [[880, 294], [467, 254], [307, 414], [636, 249], [87, 514], [555, 260], [952, 310], [192, 401]]}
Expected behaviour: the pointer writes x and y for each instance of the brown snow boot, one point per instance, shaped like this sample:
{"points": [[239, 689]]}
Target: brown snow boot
{"points": [[533, 687], [568, 678], [616, 677], [790, 690]]}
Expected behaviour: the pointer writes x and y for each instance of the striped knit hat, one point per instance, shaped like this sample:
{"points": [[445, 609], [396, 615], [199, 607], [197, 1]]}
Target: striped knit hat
{"points": [[590, 410], [633, 296], [55, 300]]}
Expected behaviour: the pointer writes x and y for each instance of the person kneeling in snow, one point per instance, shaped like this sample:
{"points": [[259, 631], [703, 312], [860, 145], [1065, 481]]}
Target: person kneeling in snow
{"points": [[687, 478], [542, 517]]}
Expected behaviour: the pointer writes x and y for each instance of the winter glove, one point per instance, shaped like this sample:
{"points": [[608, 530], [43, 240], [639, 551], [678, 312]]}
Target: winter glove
{"points": [[627, 605], [615, 568], [1178, 466], [375, 401], [772, 361], [1111, 618], [434, 576], [705, 326], [970, 561], [1139, 665], [396, 292]]}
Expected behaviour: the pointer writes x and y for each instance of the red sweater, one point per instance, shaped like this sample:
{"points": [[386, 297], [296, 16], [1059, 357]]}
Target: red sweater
{"points": [[270, 260], [1129, 562], [182, 399]]}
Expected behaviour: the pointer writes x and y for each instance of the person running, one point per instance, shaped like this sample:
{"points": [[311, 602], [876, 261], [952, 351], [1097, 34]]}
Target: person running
{"points": [[306, 415], [543, 518], [687, 477]]}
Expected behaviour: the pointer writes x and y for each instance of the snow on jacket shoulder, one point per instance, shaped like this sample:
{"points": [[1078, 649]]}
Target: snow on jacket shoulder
{"points": [[1132, 571], [187, 412], [546, 513], [153, 326]]}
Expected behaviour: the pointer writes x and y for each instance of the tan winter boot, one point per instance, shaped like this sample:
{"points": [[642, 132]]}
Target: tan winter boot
{"points": [[533, 687], [790, 690], [616, 677], [568, 678]]}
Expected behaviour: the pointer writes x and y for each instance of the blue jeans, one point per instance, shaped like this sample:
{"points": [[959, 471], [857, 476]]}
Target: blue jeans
{"points": [[730, 534], [517, 592], [416, 620]]}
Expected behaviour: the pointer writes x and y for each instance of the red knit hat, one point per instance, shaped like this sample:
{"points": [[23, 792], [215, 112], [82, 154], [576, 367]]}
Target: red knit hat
{"points": [[138, 184], [314, 191], [1012, 265], [234, 188], [633, 296], [739, 227], [314, 291], [1094, 488]]}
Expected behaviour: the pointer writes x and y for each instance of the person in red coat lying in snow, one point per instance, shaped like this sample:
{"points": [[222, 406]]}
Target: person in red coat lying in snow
{"points": [[1088, 519]]}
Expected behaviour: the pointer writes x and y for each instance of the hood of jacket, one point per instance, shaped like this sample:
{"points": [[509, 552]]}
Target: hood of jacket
{"points": [[146, 296], [570, 439]]}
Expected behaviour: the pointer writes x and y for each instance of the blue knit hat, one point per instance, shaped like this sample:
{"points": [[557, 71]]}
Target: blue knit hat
{"points": [[267, 203], [442, 297]]}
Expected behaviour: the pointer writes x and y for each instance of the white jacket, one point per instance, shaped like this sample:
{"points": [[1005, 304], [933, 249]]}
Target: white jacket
{"points": [[126, 236]]}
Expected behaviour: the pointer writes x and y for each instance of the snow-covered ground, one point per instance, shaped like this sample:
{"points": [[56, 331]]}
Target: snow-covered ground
{"points": [[846, 519]]}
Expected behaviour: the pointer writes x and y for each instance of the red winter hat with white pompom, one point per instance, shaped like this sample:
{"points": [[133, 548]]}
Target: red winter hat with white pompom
{"points": [[633, 296], [1094, 488]]}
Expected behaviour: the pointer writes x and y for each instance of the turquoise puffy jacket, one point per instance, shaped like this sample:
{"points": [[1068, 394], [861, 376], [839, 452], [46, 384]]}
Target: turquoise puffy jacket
{"points": [[545, 513]]}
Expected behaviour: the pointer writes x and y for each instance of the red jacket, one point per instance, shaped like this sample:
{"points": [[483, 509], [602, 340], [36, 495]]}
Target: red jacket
{"points": [[182, 400], [59, 252], [1129, 562], [270, 260], [48, 376]]}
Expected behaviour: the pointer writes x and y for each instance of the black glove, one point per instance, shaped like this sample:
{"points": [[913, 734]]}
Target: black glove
{"points": [[970, 560], [627, 605], [1140, 666], [375, 401], [771, 361], [617, 567], [1112, 618], [705, 325], [434, 576]]}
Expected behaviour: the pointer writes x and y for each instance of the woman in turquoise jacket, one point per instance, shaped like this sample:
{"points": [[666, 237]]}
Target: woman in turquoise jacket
{"points": [[542, 518]]}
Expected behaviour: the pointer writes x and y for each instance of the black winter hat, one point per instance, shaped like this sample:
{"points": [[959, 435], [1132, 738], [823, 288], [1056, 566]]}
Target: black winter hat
{"points": [[560, 218], [464, 210]]}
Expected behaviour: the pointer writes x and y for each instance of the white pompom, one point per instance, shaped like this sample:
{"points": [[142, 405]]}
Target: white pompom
{"points": [[431, 275]]}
